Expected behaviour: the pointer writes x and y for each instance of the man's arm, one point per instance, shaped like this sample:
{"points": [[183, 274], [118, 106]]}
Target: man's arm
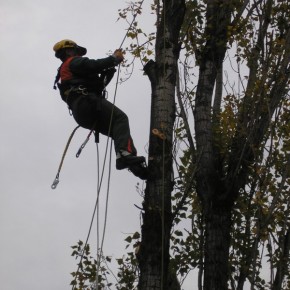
{"points": [[83, 65]]}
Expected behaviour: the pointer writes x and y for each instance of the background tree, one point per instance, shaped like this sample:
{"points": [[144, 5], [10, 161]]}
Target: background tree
{"points": [[234, 134]]}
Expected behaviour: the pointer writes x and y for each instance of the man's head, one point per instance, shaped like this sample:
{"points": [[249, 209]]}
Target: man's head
{"points": [[68, 47]]}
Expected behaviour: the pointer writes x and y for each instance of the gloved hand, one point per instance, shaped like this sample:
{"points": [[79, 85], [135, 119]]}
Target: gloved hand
{"points": [[118, 55]]}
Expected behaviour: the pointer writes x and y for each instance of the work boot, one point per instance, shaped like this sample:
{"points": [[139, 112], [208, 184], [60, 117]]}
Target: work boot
{"points": [[139, 170], [129, 161]]}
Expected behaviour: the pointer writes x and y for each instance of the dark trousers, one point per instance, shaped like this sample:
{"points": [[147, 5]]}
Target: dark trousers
{"points": [[94, 112]]}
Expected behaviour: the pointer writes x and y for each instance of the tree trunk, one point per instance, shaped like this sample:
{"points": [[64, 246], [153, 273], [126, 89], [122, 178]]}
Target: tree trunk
{"points": [[209, 184], [216, 207], [217, 231], [154, 256]]}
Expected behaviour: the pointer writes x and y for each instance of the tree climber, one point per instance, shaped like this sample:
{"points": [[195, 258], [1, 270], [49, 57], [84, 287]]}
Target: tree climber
{"points": [[82, 86]]}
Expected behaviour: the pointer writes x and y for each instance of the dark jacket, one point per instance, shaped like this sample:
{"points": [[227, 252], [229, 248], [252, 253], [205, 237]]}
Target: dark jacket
{"points": [[94, 75]]}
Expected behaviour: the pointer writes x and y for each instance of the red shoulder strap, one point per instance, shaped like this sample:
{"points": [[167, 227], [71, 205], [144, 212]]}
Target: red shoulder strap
{"points": [[65, 73]]}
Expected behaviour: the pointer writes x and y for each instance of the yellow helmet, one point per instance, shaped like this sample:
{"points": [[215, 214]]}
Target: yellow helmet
{"points": [[67, 43]]}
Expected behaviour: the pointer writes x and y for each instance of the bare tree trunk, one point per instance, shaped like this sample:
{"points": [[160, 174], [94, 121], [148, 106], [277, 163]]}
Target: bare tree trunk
{"points": [[157, 219], [210, 187], [218, 225]]}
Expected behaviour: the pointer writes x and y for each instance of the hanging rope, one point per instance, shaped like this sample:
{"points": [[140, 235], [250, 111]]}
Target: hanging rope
{"points": [[163, 159], [98, 216], [108, 185], [56, 180], [109, 179], [105, 221], [98, 193]]}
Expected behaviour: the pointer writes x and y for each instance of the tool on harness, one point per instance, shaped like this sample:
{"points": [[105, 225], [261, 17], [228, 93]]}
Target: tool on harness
{"points": [[73, 92], [84, 144], [56, 180], [82, 147], [83, 90], [94, 129]]}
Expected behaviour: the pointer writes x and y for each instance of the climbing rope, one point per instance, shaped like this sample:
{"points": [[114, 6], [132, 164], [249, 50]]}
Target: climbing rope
{"points": [[105, 221], [98, 194], [56, 180], [109, 177], [100, 180], [163, 161], [108, 185]]}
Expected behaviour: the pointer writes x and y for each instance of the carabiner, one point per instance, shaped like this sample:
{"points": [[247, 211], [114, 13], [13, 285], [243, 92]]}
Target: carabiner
{"points": [[82, 147], [55, 182], [83, 90]]}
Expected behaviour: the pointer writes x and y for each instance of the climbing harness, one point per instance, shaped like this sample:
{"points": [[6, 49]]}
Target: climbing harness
{"points": [[79, 89]]}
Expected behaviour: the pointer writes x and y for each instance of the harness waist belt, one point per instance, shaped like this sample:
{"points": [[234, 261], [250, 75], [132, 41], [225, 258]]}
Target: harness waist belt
{"points": [[73, 93]]}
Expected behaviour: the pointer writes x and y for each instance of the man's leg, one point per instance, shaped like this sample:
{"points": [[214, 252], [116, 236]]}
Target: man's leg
{"points": [[117, 127], [113, 122]]}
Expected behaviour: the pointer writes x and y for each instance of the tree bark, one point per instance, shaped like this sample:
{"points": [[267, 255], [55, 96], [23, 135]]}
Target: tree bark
{"points": [[218, 225], [157, 219], [217, 189], [209, 184]]}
